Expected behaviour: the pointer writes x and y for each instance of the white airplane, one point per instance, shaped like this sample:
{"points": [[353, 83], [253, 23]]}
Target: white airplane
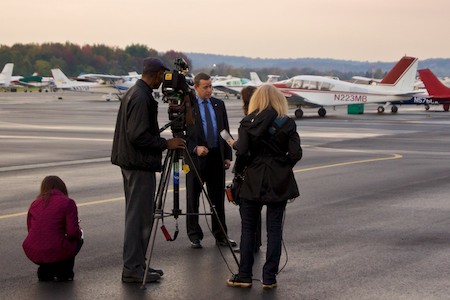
{"points": [[34, 80], [257, 81], [64, 83], [234, 85], [230, 84], [120, 82], [320, 91], [6, 74]]}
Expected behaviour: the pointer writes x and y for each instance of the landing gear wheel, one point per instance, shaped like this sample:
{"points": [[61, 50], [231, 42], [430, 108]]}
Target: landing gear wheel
{"points": [[322, 112], [394, 109], [427, 107], [298, 113], [380, 109]]}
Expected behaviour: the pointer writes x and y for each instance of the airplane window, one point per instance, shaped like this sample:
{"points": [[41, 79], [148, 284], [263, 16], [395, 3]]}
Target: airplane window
{"points": [[326, 86], [309, 85], [289, 83]]}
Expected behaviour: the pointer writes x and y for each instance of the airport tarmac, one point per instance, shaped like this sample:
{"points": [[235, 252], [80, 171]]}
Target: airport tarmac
{"points": [[372, 221]]}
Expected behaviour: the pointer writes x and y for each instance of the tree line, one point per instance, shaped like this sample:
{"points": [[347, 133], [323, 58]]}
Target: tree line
{"points": [[74, 60]]}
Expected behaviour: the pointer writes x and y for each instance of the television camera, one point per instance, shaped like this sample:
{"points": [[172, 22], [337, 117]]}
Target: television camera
{"points": [[178, 93]]}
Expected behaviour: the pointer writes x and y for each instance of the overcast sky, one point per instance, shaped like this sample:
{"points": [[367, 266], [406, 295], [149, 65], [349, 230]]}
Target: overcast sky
{"points": [[362, 30]]}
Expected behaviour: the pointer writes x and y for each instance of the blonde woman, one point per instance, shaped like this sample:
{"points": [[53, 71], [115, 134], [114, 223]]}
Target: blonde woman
{"points": [[269, 141]]}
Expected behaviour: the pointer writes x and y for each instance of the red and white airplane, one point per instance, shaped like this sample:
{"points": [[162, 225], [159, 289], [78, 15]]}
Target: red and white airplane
{"points": [[437, 91], [319, 91]]}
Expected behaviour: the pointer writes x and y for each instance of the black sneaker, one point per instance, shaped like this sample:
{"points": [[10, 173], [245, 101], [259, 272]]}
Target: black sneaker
{"points": [[196, 244], [269, 285], [64, 278], [223, 242], [151, 277], [236, 281], [157, 271]]}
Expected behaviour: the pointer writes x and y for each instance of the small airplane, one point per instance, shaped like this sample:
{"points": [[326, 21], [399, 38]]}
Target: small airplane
{"points": [[254, 77], [319, 91], [34, 80], [234, 85], [120, 82], [437, 91], [230, 85], [5, 75], [64, 83]]}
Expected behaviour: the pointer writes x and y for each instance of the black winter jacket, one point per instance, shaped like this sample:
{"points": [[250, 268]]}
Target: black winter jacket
{"points": [[137, 144], [269, 155]]}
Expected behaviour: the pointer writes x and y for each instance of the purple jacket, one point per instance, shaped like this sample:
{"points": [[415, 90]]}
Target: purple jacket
{"points": [[53, 231]]}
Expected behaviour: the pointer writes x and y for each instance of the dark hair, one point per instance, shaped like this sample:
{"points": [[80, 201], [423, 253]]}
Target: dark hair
{"points": [[246, 94], [50, 183], [201, 76]]}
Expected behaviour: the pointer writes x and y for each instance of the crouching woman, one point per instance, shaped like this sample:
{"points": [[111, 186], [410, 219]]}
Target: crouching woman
{"points": [[54, 235]]}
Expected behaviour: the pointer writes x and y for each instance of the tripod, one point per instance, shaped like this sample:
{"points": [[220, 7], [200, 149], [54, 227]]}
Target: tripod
{"points": [[172, 159]]}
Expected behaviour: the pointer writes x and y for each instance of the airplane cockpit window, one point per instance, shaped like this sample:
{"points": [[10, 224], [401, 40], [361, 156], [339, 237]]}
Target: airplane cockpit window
{"points": [[297, 84], [326, 86], [289, 82], [311, 85]]}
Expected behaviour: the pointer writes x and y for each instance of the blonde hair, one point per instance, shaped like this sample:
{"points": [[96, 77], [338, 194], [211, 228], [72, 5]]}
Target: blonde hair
{"points": [[268, 96]]}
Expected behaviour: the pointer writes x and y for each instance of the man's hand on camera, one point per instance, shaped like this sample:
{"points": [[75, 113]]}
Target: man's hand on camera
{"points": [[175, 143]]}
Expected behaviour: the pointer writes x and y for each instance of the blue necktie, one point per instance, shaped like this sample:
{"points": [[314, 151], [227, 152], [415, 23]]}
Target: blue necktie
{"points": [[209, 126]]}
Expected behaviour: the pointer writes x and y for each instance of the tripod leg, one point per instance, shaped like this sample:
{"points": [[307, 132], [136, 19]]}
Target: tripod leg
{"points": [[152, 243], [213, 208]]}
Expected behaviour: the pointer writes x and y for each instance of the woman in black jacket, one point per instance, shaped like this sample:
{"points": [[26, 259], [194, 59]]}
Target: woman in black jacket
{"points": [[269, 146]]}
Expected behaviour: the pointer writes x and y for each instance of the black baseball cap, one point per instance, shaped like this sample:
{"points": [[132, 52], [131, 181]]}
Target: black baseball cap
{"points": [[153, 64]]}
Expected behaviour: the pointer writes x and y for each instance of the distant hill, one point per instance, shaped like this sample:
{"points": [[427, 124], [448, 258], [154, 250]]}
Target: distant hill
{"points": [[439, 66]]}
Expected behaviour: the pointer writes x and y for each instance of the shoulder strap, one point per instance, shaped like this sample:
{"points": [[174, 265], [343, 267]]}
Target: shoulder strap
{"points": [[277, 124], [273, 130]]}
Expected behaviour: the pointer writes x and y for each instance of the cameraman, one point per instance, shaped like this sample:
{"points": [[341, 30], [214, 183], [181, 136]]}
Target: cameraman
{"points": [[137, 150]]}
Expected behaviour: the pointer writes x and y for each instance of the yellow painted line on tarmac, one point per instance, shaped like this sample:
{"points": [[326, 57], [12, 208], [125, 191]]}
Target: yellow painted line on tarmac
{"points": [[13, 215], [392, 156], [101, 201]]}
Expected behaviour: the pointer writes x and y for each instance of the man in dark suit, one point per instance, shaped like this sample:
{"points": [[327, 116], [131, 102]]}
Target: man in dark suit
{"points": [[211, 156]]}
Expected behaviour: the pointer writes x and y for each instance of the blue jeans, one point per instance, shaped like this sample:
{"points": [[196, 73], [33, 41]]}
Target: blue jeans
{"points": [[250, 212]]}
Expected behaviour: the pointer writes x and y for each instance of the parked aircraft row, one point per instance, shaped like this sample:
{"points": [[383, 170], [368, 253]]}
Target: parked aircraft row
{"points": [[398, 87], [96, 83]]}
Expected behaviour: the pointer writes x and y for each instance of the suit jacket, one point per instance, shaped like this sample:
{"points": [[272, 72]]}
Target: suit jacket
{"points": [[195, 135]]}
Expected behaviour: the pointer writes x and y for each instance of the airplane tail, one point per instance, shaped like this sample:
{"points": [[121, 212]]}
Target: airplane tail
{"points": [[255, 78], [403, 74], [6, 74], [434, 86], [61, 80]]}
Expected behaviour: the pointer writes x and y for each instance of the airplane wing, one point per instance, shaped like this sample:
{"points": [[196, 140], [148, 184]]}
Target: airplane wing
{"points": [[99, 76], [228, 90], [366, 79], [294, 100]]}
